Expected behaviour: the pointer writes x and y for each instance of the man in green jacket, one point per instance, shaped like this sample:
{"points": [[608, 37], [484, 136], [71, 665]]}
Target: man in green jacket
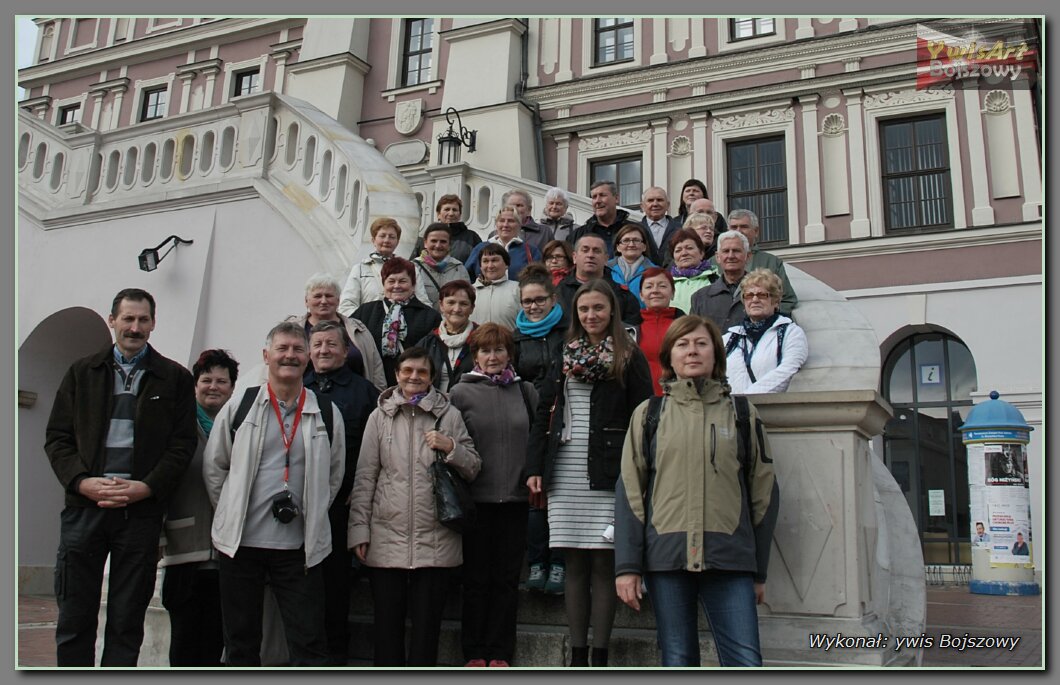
{"points": [[745, 221]]}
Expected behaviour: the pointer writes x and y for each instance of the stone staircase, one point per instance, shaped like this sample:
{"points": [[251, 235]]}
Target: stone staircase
{"points": [[542, 640]]}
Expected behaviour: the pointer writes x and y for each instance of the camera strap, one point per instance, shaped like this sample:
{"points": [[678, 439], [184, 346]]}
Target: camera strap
{"points": [[287, 440]]}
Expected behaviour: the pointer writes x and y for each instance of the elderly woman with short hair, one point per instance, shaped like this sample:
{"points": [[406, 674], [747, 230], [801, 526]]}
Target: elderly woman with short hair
{"points": [[437, 264], [399, 319], [690, 267], [321, 302], [496, 296], [556, 215], [447, 345], [364, 284], [767, 348], [703, 225], [520, 252]]}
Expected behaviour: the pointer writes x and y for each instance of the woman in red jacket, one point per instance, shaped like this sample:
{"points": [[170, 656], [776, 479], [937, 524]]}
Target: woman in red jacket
{"points": [[656, 289]]}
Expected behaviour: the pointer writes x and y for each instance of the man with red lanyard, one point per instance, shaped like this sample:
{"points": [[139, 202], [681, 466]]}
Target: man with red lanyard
{"points": [[272, 467]]}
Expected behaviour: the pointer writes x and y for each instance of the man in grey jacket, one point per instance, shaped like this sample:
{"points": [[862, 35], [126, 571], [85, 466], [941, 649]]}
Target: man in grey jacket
{"points": [[271, 478]]}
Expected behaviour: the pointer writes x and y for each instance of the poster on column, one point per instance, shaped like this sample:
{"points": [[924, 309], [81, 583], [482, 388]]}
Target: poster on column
{"points": [[1003, 503]]}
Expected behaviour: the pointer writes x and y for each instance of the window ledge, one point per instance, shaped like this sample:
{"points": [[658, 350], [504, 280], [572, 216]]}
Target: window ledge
{"points": [[430, 86]]}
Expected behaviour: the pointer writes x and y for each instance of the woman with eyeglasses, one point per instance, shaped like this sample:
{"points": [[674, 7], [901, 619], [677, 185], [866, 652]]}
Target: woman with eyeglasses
{"points": [[540, 328], [766, 350], [703, 225], [559, 259], [630, 261], [690, 268]]}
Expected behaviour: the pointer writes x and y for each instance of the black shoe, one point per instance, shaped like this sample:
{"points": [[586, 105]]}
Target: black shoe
{"points": [[599, 656], [579, 656]]}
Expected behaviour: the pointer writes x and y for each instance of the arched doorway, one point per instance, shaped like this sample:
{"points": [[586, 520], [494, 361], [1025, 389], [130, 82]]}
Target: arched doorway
{"points": [[928, 378], [43, 359]]}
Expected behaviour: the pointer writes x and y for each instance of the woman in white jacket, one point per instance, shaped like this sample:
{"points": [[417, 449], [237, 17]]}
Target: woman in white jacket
{"points": [[766, 350]]}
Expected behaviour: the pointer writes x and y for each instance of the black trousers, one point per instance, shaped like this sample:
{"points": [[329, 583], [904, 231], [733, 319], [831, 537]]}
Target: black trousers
{"points": [[421, 594], [493, 558], [87, 535], [337, 569], [299, 592], [192, 596]]}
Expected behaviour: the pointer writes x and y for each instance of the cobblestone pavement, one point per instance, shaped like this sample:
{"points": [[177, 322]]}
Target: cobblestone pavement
{"points": [[951, 611]]}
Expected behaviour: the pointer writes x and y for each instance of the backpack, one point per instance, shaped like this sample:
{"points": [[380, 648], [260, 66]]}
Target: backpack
{"points": [[743, 426], [734, 341], [323, 401]]}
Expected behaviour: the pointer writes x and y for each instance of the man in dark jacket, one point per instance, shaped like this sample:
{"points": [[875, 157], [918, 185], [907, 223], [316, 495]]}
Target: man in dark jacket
{"points": [[658, 225], [120, 435], [590, 263], [720, 301], [355, 399], [607, 217]]}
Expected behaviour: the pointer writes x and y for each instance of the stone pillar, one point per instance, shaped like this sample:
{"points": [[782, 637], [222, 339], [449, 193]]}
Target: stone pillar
{"points": [[658, 151], [699, 155], [814, 230], [211, 78], [860, 226], [982, 212], [1030, 153]]}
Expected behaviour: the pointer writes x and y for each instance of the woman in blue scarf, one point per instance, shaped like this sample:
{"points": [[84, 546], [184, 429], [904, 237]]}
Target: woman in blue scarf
{"points": [[540, 329]]}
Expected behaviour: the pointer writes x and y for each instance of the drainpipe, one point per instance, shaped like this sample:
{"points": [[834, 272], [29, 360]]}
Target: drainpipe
{"points": [[520, 89]]}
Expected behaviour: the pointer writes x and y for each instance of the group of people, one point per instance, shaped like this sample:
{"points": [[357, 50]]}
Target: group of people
{"points": [[526, 362]]}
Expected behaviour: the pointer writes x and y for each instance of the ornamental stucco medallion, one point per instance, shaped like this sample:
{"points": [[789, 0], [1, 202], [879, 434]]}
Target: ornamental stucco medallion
{"points": [[408, 116]]}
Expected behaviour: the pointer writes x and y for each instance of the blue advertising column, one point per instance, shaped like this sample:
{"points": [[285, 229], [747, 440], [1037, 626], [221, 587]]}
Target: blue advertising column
{"points": [[996, 436]]}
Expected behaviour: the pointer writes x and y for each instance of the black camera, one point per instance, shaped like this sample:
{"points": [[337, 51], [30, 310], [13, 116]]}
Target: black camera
{"points": [[283, 507]]}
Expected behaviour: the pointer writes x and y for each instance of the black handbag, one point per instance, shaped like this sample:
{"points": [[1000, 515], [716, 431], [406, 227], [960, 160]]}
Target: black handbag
{"points": [[452, 495]]}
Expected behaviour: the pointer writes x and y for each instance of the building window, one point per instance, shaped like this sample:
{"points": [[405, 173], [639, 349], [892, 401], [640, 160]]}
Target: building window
{"points": [[247, 82], [928, 379], [612, 40], [625, 173], [757, 181], [68, 114], [153, 105], [916, 173], [741, 28], [416, 63]]}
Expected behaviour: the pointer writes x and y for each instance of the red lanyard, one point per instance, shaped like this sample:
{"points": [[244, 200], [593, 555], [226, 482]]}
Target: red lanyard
{"points": [[287, 441]]}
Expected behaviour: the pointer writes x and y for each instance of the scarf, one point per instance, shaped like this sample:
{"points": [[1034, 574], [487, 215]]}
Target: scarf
{"points": [[587, 362], [756, 329], [204, 419], [539, 329], [437, 265], [628, 271], [455, 340], [394, 328], [558, 275], [415, 399], [690, 272], [487, 282], [505, 377]]}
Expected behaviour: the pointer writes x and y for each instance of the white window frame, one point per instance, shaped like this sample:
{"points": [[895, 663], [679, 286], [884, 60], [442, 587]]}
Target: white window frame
{"points": [[719, 182], [231, 68], [591, 69], [141, 86], [70, 47], [112, 31], [394, 65], [620, 149], [78, 100], [726, 43], [154, 25], [874, 173]]}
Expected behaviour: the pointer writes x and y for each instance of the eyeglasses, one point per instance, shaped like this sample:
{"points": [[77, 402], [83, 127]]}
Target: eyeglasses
{"points": [[553, 257], [539, 301], [757, 296], [631, 241]]}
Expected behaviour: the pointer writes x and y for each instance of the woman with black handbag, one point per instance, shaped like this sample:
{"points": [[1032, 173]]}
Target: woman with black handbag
{"points": [[497, 407], [394, 527], [575, 457]]}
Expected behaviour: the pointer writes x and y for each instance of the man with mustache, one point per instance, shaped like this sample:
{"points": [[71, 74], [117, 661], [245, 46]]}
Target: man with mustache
{"points": [[272, 467], [120, 435]]}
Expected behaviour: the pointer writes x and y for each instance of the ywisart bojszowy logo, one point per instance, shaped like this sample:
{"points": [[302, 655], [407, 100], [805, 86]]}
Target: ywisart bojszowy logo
{"points": [[945, 58]]}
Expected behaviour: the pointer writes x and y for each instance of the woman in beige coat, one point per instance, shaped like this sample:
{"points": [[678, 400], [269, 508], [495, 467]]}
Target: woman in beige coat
{"points": [[394, 528]]}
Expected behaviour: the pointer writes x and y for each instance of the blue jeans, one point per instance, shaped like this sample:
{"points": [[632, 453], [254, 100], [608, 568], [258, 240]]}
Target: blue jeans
{"points": [[728, 599]]}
